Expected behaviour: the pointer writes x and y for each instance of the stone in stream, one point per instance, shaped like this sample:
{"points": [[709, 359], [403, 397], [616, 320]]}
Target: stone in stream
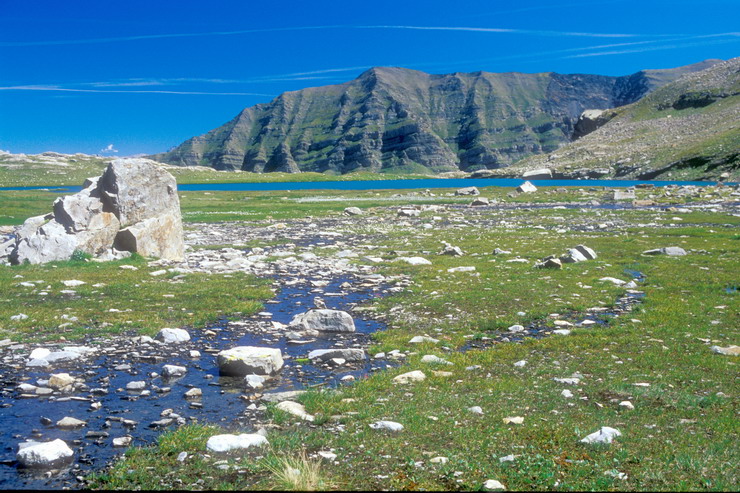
{"points": [[346, 354], [228, 443], [52, 454], [173, 371], [122, 441], [245, 360], [68, 422], [170, 336], [254, 381], [324, 320]]}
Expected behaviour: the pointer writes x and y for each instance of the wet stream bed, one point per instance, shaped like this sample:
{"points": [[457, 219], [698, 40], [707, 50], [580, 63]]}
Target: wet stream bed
{"points": [[161, 404]]}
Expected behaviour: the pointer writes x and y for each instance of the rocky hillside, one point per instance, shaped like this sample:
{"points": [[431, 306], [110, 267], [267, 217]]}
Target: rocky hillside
{"points": [[687, 129], [395, 119]]}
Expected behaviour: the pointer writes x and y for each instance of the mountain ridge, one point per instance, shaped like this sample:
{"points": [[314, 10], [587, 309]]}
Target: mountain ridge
{"points": [[392, 118]]}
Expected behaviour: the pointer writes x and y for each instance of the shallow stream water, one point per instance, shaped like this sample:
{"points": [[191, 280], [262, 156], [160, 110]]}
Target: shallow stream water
{"points": [[223, 401]]}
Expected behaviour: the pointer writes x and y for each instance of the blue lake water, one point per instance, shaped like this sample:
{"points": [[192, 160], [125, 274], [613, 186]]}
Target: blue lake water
{"points": [[399, 184]]}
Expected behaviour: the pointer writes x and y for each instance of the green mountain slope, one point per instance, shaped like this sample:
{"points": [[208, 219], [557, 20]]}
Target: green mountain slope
{"points": [[687, 129], [395, 119]]}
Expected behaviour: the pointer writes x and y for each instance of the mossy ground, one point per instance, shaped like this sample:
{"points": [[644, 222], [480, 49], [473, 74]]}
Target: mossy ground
{"points": [[681, 435]]}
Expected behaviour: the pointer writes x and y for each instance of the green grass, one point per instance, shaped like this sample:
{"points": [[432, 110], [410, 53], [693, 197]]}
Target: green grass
{"points": [[681, 435], [140, 302]]}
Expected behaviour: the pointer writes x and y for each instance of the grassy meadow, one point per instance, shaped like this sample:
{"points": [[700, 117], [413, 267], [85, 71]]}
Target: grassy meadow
{"points": [[681, 433]]}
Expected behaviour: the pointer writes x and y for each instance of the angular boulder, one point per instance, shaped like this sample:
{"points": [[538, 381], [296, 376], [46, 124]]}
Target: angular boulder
{"points": [[135, 194], [324, 320], [44, 454], [246, 360], [526, 187], [538, 174]]}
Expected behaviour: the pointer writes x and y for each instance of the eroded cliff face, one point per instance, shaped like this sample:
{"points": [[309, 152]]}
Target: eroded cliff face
{"points": [[413, 121]]}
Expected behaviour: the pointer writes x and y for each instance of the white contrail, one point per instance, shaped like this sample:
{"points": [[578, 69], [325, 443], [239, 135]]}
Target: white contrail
{"points": [[118, 91], [306, 28]]}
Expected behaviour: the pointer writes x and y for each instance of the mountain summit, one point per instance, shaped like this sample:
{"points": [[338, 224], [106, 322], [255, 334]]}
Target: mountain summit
{"points": [[392, 118]]}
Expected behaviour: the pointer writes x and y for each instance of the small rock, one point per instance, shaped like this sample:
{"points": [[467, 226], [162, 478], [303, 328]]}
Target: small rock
{"points": [[476, 410], [627, 405], [173, 371], [122, 441], [604, 435], [228, 442], [727, 351], [514, 420], [171, 336], [68, 422], [412, 376], [386, 425], [493, 485]]}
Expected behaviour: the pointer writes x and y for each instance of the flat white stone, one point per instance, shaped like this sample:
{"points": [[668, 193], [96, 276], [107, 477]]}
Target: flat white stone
{"points": [[228, 443], [386, 425]]}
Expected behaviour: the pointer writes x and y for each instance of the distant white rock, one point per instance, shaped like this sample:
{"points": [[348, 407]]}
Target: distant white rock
{"points": [[526, 187], [414, 260], [412, 376]]}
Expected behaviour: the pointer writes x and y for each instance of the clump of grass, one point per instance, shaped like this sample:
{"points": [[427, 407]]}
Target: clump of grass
{"points": [[298, 473]]}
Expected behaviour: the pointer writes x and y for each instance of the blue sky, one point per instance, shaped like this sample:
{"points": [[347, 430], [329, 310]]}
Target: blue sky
{"points": [[121, 78]]}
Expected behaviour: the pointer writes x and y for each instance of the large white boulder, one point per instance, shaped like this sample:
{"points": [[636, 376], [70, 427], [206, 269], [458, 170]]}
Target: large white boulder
{"points": [[526, 187], [246, 360], [44, 454], [324, 320], [153, 237]]}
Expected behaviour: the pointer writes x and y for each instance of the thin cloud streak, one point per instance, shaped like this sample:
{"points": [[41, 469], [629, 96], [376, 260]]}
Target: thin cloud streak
{"points": [[114, 91], [7, 44], [653, 48]]}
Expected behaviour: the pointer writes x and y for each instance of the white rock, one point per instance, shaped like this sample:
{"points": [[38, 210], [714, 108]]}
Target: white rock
{"points": [[627, 405], [346, 354], [170, 336], [245, 360], [173, 371], [604, 435], [516, 328], [521, 364], [476, 410], [295, 409], [568, 381], [44, 454], [228, 443], [39, 353], [386, 425], [526, 187], [254, 381], [412, 376], [60, 380], [73, 283], [122, 441], [69, 422], [616, 282], [330, 456], [137, 385], [432, 359], [566, 393], [462, 269], [324, 320], [439, 460], [414, 260], [493, 485], [422, 339], [562, 332], [20, 316]]}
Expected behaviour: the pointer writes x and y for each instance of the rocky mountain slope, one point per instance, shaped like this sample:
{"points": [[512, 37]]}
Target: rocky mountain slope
{"points": [[687, 129], [395, 119]]}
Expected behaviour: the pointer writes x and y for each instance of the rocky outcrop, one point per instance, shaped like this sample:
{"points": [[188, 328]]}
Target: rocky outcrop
{"points": [[390, 118], [134, 194]]}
